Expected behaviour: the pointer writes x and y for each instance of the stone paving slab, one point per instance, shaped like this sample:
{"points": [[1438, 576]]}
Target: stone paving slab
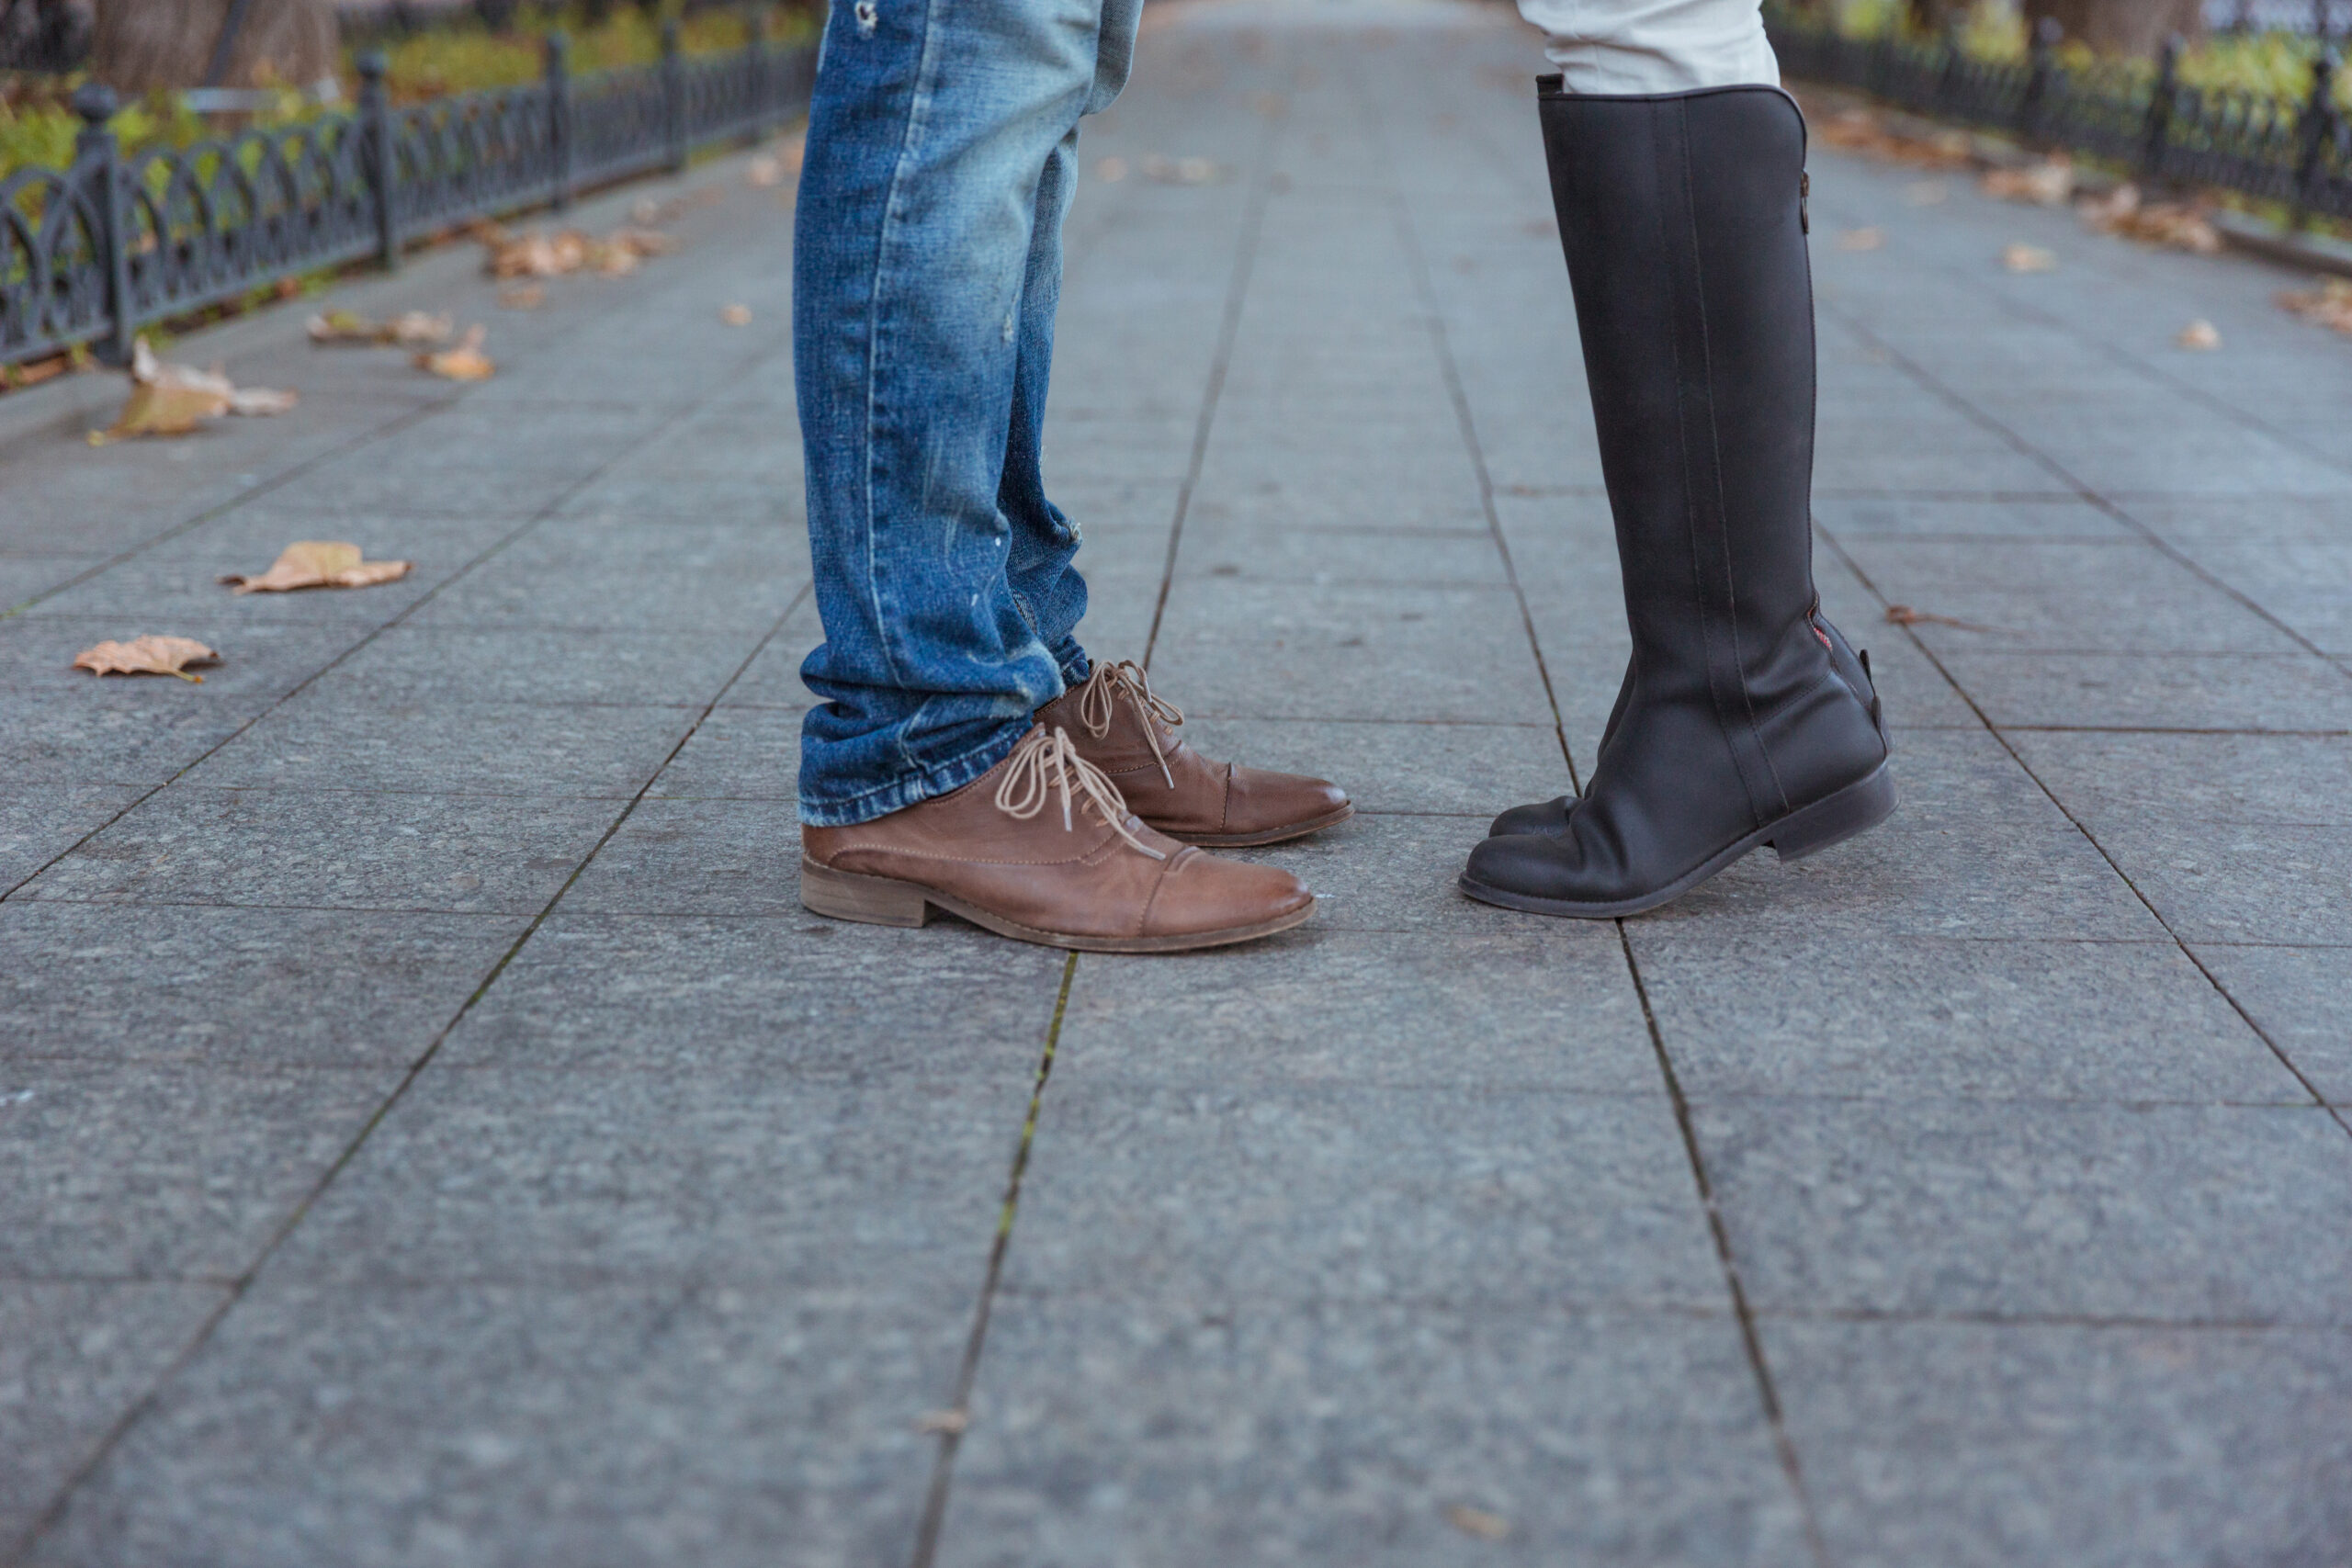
{"points": [[431, 1132]]}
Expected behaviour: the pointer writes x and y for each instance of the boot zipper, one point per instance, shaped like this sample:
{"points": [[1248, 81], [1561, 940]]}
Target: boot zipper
{"points": [[1805, 201]]}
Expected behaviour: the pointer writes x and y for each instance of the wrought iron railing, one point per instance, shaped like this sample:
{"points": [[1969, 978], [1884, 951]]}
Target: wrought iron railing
{"points": [[91, 253], [2297, 154]]}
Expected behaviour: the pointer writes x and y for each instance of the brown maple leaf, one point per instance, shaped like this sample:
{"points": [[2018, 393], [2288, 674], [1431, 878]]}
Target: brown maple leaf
{"points": [[172, 400], [149, 655], [2046, 184], [2330, 304], [1477, 1522], [1904, 615], [466, 362], [312, 563], [410, 329], [2175, 224]]}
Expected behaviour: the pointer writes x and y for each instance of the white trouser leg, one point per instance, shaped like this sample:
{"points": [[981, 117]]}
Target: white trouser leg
{"points": [[1655, 46]]}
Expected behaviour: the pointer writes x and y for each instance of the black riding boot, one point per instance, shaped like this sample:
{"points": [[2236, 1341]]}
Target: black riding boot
{"points": [[1744, 718]]}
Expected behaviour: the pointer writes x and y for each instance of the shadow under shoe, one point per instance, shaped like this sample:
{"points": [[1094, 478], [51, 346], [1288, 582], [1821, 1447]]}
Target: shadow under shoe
{"points": [[1041, 847], [1123, 728]]}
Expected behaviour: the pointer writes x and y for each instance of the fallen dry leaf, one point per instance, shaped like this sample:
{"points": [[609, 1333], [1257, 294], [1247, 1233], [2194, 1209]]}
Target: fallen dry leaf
{"points": [[1904, 615], [2028, 258], [523, 295], [1862, 130], [774, 167], [736, 315], [943, 1423], [1180, 171], [2199, 334], [148, 655], [646, 212], [2330, 304], [541, 254], [312, 563], [2047, 184], [1862, 240], [2176, 224], [172, 400], [1476, 1522], [410, 329], [466, 362]]}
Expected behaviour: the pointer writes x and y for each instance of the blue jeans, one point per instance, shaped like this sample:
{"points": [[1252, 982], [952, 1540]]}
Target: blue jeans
{"points": [[942, 155]]}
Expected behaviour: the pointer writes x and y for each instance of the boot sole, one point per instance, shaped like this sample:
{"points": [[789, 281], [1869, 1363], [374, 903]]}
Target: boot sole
{"points": [[888, 901], [1268, 835], [1857, 808]]}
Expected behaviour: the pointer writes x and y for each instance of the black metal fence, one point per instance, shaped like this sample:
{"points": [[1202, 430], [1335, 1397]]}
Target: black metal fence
{"points": [[90, 254], [2298, 154]]}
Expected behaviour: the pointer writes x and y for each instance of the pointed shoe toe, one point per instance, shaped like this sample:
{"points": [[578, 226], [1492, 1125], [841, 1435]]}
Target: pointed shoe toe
{"points": [[1231, 900], [1262, 807]]}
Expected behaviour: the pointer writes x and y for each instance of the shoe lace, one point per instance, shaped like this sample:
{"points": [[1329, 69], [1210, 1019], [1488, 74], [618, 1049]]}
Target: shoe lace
{"points": [[1049, 760], [1098, 698]]}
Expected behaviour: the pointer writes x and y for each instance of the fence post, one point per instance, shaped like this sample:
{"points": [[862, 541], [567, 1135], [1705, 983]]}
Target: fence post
{"points": [[673, 96], [1955, 60], [2160, 106], [97, 160], [2319, 130], [755, 61], [376, 158], [2044, 68], [559, 88]]}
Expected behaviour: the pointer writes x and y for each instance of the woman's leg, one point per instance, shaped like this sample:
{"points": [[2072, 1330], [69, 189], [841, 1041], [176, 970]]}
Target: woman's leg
{"points": [[1655, 46], [1744, 718]]}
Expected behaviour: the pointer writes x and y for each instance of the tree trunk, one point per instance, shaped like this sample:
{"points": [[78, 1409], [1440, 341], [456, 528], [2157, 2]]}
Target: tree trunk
{"points": [[141, 45], [2122, 27], [1936, 15]]}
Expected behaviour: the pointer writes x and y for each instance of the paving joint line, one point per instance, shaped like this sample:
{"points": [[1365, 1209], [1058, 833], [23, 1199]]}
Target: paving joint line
{"points": [[1783, 1446], [1237, 293], [548, 512], [959, 1408], [54, 1511], [1465, 421], [2084, 490], [238, 1285], [2079, 826]]}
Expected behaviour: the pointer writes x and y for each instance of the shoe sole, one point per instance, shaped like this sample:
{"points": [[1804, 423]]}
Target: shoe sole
{"points": [[1268, 835], [888, 901], [1857, 808]]}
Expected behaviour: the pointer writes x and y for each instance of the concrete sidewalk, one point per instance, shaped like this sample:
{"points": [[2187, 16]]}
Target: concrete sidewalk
{"points": [[432, 1133]]}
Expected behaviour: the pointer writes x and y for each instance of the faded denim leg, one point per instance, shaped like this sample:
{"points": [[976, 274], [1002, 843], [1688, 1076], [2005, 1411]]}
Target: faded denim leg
{"points": [[926, 265], [1045, 583]]}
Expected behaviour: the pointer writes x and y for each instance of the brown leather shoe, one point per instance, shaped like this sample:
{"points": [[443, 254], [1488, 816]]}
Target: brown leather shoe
{"points": [[1087, 875], [1123, 729]]}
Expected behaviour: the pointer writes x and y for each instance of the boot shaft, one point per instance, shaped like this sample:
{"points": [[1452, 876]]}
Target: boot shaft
{"points": [[1681, 216]]}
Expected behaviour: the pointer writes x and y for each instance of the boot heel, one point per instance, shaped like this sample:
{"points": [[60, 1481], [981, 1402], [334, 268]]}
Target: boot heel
{"points": [[1854, 809], [846, 896]]}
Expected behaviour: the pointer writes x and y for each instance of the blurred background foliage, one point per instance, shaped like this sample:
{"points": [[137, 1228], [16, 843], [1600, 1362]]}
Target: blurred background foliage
{"points": [[459, 52]]}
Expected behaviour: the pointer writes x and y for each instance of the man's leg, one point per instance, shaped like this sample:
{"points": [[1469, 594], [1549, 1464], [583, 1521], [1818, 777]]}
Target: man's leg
{"points": [[1040, 569], [926, 261], [930, 131]]}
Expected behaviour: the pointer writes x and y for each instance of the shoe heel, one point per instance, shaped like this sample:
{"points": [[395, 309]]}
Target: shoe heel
{"points": [[846, 896], [1854, 809]]}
